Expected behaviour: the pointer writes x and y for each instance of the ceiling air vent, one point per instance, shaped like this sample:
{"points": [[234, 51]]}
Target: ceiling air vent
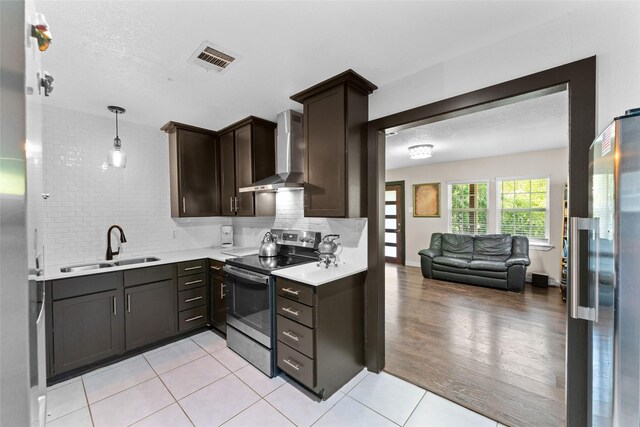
{"points": [[210, 57]]}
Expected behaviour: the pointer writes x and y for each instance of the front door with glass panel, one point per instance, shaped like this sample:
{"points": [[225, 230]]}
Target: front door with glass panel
{"points": [[394, 222]]}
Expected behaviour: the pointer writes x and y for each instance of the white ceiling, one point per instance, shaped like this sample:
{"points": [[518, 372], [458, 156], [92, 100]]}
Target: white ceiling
{"points": [[134, 53], [536, 124]]}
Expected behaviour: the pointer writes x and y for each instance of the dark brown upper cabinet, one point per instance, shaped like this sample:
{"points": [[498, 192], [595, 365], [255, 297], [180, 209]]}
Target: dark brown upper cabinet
{"points": [[193, 170], [336, 112], [247, 154]]}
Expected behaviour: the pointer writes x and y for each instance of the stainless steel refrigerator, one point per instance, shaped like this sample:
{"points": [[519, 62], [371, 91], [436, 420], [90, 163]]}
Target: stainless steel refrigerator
{"points": [[609, 241]]}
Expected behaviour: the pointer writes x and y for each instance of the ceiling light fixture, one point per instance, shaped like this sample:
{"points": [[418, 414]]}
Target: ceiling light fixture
{"points": [[421, 151], [116, 157]]}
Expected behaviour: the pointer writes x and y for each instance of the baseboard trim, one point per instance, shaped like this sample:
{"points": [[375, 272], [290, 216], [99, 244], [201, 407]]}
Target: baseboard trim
{"points": [[412, 264]]}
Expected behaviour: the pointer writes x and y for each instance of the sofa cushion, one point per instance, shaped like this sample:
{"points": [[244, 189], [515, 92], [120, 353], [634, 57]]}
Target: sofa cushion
{"points": [[492, 247], [452, 262], [457, 245], [487, 265], [468, 272]]}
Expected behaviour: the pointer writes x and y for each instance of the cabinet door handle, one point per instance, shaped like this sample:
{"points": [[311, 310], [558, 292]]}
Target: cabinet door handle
{"points": [[291, 363], [290, 311], [197, 267], [231, 203], [128, 303], [193, 282], [236, 199], [291, 335], [115, 309], [184, 204], [222, 294], [290, 291], [191, 319], [192, 299]]}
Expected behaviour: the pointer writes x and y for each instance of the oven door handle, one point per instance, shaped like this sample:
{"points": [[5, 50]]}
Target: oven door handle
{"points": [[248, 275]]}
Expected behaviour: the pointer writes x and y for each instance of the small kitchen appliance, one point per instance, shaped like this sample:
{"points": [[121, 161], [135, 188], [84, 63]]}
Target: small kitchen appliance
{"points": [[327, 250], [251, 295], [226, 232]]}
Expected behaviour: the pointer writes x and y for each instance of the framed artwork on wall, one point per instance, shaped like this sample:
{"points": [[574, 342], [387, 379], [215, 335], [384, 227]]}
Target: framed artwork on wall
{"points": [[426, 200]]}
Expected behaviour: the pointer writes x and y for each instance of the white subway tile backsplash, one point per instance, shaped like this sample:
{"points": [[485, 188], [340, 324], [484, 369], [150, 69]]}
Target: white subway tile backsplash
{"points": [[87, 198]]}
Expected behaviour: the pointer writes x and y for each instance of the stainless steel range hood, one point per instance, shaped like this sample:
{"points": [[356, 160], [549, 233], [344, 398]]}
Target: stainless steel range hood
{"points": [[289, 157]]}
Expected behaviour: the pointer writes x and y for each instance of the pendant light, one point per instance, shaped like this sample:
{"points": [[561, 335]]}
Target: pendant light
{"points": [[116, 157]]}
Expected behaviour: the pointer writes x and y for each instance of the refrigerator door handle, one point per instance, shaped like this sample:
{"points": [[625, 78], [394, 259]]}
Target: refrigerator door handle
{"points": [[578, 311]]}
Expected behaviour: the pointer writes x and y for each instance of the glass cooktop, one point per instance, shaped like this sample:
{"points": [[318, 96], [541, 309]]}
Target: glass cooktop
{"points": [[267, 264]]}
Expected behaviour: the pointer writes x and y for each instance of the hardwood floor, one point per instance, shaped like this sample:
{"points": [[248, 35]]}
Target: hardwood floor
{"points": [[498, 353]]}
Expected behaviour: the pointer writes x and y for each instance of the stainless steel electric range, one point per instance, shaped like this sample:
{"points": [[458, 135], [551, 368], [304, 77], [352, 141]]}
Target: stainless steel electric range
{"points": [[251, 296]]}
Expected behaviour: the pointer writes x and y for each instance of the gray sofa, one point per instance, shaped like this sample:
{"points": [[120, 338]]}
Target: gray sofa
{"points": [[493, 260]]}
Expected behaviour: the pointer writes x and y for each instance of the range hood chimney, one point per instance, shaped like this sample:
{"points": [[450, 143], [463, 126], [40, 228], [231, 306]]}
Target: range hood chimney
{"points": [[289, 157]]}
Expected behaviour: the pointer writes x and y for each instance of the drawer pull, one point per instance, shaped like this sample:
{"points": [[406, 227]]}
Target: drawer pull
{"points": [[197, 267], [291, 311], [291, 291], [193, 299], [291, 335], [216, 268], [193, 282], [191, 319], [291, 363]]}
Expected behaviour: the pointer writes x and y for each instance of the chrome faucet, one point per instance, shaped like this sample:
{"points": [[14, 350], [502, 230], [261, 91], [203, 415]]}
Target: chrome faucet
{"points": [[123, 239]]}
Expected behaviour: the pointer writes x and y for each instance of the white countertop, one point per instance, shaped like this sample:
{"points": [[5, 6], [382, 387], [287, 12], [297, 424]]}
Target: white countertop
{"points": [[53, 272], [313, 275], [310, 273]]}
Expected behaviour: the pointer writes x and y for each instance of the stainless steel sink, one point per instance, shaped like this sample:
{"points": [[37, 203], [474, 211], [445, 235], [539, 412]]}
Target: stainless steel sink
{"points": [[85, 267], [136, 260]]}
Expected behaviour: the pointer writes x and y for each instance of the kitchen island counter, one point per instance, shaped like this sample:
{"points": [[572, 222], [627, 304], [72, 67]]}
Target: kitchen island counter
{"points": [[313, 275], [53, 272]]}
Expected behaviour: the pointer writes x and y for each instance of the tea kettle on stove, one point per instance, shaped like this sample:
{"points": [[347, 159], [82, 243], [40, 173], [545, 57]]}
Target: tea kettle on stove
{"points": [[268, 248]]}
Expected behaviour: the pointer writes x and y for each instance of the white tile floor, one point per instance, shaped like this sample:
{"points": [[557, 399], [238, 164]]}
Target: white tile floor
{"points": [[199, 381]]}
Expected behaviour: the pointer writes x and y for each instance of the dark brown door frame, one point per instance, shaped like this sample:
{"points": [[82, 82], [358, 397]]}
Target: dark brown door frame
{"points": [[581, 79], [402, 220]]}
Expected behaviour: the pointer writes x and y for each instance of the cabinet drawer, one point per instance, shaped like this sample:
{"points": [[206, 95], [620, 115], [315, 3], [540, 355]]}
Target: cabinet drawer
{"points": [[295, 291], [296, 336], [192, 318], [296, 311], [85, 285], [191, 267], [193, 281], [140, 276], [297, 365], [192, 298], [215, 267]]}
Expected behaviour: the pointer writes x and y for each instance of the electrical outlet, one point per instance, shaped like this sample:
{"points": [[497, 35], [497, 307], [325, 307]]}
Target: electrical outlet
{"points": [[174, 234]]}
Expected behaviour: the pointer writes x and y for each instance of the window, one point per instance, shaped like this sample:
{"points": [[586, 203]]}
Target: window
{"points": [[523, 208], [468, 205]]}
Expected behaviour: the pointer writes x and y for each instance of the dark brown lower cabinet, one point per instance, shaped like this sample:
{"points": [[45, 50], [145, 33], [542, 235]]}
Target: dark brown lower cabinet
{"points": [[192, 294], [218, 296], [320, 331], [150, 313], [88, 329]]}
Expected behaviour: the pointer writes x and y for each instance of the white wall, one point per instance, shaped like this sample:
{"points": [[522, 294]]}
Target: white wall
{"points": [[608, 30], [86, 199], [552, 163]]}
